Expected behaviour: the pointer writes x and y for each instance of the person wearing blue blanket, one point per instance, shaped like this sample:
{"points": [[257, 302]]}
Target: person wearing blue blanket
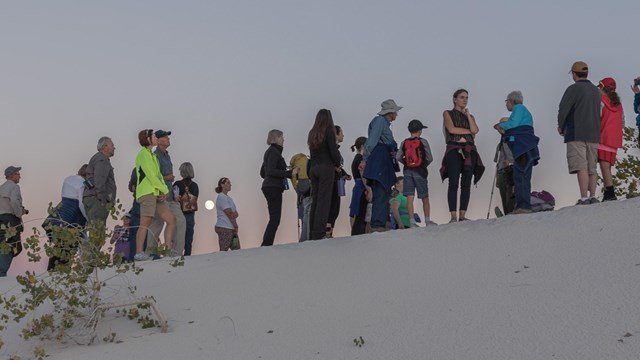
{"points": [[380, 162], [518, 133]]}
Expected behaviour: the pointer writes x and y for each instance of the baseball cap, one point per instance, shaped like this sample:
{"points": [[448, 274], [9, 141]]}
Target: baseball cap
{"points": [[11, 170], [162, 133], [608, 82], [580, 66], [415, 125]]}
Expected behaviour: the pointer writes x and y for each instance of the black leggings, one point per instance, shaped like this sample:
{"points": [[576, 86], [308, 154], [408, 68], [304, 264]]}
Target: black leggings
{"points": [[454, 165], [274, 204]]}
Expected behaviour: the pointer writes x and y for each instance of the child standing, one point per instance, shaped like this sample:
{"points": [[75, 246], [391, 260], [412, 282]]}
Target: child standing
{"points": [[121, 238], [398, 202], [415, 154]]}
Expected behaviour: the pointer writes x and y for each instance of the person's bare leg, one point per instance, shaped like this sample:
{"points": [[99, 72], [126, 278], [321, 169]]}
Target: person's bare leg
{"points": [[593, 178], [141, 235], [170, 228], [453, 216], [410, 209], [605, 169], [583, 182], [426, 208]]}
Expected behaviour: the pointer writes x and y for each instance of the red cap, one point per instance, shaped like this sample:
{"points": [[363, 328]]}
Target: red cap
{"points": [[608, 82]]}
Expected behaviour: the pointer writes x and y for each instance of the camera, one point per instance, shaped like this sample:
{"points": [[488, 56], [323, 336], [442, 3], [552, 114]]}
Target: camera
{"points": [[89, 184], [636, 82]]}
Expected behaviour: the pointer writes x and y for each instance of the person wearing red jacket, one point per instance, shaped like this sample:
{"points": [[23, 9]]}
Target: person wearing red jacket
{"points": [[611, 124]]}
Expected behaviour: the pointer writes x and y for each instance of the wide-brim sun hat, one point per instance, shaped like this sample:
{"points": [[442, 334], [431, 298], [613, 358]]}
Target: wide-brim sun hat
{"points": [[389, 106]]}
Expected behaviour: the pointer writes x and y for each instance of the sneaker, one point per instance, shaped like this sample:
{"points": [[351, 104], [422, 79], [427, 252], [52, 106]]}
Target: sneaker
{"points": [[431, 223], [378, 229], [453, 221], [593, 200], [464, 219], [521, 211], [584, 202], [174, 253], [142, 257]]}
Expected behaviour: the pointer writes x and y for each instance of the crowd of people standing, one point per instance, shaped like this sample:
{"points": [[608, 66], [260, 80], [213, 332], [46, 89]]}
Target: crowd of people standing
{"points": [[590, 120]]}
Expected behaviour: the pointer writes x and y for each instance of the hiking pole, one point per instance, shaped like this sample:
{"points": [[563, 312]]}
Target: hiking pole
{"points": [[493, 187]]}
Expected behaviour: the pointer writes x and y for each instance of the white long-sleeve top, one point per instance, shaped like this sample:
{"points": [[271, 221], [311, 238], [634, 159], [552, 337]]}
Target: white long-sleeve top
{"points": [[73, 188]]}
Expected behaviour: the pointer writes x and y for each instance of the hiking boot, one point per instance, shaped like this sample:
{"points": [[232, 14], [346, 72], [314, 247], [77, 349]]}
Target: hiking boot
{"points": [[593, 200], [142, 257], [521, 211]]}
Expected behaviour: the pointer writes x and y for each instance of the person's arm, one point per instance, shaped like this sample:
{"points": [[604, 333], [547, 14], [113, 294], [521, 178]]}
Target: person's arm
{"points": [[395, 210], [448, 124], [636, 100], [16, 202], [400, 153], [473, 126], [330, 139], [79, 194], [375, 132], [566, 104], [101, 170], [427, 150]]}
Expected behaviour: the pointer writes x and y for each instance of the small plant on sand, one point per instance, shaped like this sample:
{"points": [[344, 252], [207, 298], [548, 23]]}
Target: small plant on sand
{"points": [[67, 303]]}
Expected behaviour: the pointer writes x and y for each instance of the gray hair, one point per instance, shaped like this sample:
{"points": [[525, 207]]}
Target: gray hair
{"points": [[515, 96], [186, 170], [273, 136], [102, 142]]}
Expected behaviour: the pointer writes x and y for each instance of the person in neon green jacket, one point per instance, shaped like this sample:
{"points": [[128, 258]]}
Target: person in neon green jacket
{"points": [[151, 192]]}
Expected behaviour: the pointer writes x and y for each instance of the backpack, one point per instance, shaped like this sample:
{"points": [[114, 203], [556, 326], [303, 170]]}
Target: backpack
{"points": [[542, 201], [413, 153], [301, 182]]}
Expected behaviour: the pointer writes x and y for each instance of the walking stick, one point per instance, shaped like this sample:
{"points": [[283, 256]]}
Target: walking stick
{"points": [[493, 187]]}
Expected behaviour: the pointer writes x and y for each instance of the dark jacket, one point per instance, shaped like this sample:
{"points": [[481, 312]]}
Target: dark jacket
{"points": [[274, 168], [522, 140], [327, 153], [579, 112]]}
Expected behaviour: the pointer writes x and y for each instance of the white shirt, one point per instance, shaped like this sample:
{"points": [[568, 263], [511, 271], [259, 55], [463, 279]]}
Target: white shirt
{"points": [[224, 202], [73, 188]]}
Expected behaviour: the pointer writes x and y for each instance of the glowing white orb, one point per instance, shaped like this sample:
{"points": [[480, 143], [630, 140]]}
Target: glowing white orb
{"points": [[209, 205]]}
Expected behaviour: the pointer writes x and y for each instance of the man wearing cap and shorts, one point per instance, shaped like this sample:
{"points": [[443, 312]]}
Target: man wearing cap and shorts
{"points": [[100, 185], [166, 169], [415, 175], [11, 211], [579, 124], [380, 163]]}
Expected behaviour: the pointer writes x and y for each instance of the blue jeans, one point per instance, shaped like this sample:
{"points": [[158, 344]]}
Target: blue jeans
{"points": [[381, 207], [188, 235], [135, 223], [522, 182]]}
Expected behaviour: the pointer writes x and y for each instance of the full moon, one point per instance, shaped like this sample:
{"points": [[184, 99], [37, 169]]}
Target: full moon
{"points": [[209, 205]]}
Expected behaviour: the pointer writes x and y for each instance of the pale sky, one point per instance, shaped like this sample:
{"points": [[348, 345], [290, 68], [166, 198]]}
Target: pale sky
{"points": [[221, 74]]}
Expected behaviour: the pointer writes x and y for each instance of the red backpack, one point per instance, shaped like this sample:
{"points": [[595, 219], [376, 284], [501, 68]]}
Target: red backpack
{"points": [[413, 153]]}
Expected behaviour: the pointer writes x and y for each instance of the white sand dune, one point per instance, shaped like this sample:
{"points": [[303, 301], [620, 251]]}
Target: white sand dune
{"points": [[556, 285]]}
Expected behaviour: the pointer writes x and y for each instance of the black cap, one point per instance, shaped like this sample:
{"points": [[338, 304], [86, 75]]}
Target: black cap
{"points": [[162, 133], [415, 126]]}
